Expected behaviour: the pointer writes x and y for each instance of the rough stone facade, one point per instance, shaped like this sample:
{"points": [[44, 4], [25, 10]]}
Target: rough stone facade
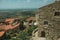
{"points": [[48, 18]]}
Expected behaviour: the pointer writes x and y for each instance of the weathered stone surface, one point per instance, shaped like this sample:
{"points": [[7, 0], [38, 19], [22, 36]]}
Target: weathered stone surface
{"points": [[51, 14]]}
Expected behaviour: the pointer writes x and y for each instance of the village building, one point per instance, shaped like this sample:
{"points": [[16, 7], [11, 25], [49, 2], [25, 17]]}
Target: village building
{"points": [[31, 21], [48, 19], [4, 27]]}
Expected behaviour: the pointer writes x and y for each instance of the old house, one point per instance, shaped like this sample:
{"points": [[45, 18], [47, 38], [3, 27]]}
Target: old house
{"points": [[31, 21], [6, 27], [48, 18]]}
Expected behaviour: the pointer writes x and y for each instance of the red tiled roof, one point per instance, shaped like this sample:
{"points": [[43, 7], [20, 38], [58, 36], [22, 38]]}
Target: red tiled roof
{"points": [[9, 20], [7, 27], [2, 33], [31, 18]]}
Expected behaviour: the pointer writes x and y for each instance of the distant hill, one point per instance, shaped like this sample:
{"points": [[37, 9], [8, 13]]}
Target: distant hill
{"points": [[7, 10], [16, 12]]}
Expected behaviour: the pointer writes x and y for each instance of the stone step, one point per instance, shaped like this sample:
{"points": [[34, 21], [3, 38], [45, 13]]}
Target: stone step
{"points": [[38, 38]]}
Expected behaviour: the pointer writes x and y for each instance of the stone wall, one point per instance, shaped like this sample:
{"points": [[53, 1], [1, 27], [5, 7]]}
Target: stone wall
{"points": [[48, 14]]}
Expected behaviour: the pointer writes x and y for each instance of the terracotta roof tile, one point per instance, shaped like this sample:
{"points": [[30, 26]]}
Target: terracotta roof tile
{"points": [[2, 33], [31, 18], [5, 28]]}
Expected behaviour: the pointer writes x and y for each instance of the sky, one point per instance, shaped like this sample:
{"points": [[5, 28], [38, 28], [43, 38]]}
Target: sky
{"points": [[23, 4]]}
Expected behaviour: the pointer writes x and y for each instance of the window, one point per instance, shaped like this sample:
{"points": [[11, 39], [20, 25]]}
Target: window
{"points": [[57, 14], [30, 21], [42, 34], [45, 22]]}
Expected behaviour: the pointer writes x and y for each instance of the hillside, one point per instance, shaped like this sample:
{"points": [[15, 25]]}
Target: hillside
{"points": [[16, 12]]}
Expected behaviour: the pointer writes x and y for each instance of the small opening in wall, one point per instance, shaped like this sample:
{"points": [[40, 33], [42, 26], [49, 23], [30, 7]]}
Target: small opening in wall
{"points": [[57, 14], [42, 33], [45, 22]]}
